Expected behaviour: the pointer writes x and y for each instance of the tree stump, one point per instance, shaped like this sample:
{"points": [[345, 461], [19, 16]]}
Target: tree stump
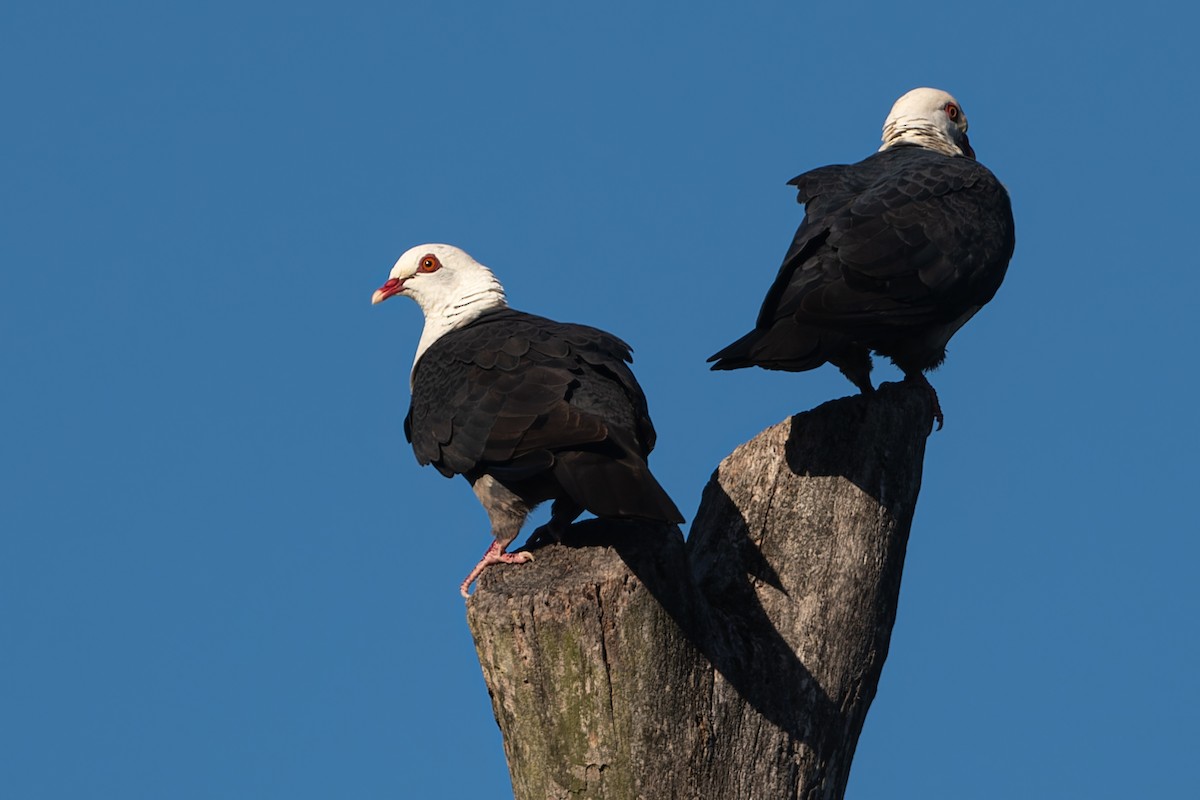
{"points": [[627, 663]]}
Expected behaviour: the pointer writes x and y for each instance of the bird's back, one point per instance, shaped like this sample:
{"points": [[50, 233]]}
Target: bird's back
{"points": [[511, 383], [892, 252]]}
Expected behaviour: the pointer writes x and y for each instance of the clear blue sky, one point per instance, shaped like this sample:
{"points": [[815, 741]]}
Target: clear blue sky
{"points": [[222, 573]]}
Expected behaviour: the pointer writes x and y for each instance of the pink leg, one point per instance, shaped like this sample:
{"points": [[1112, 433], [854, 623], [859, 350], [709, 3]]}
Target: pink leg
{"points": [[494, 555]]}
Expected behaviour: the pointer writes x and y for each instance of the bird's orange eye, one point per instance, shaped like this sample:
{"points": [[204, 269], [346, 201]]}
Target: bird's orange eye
{"points": [[429, 264], [952, 111]]}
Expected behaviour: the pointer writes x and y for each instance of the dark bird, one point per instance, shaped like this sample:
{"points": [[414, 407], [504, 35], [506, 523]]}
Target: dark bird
{"points": [[525, 408], [894, 255]]}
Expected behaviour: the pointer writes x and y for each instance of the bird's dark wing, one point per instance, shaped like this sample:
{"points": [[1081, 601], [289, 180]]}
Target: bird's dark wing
{"points": [[511, 389], [907, 237]]}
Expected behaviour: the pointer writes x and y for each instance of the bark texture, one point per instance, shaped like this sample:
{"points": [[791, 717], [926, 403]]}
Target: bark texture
{"points": [[627, 663]]}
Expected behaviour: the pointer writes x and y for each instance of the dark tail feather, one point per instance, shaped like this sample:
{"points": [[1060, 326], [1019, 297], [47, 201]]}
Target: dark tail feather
{"points": [[609, 487], [736, 355], [786, 346]]}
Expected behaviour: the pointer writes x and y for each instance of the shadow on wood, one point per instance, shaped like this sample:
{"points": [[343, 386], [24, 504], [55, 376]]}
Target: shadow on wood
{"points": [[627, 663]]}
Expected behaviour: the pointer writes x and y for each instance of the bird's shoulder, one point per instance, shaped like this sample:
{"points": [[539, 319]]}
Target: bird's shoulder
{"points": [[893, 232], [891, 179], [508, 339], [480, 391]]}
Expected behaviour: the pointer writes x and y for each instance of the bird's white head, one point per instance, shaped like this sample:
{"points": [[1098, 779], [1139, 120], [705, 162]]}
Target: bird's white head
{"points": [[451, 287], [444, 280], [929, 118]]}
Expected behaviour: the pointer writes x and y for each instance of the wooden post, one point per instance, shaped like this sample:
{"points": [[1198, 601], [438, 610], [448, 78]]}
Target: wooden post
{"points": [[626, 663]]}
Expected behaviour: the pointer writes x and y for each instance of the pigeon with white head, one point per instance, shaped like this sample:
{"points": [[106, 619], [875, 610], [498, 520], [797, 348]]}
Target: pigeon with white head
{"points": [[525, 408], [894, 255]]}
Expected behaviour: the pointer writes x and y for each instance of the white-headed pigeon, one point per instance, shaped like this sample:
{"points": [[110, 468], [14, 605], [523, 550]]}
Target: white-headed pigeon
{"points": [[525, 408], [894, 255]]}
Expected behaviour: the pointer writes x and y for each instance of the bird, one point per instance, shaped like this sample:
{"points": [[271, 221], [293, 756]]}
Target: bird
{"points": [[894, 254], [525, 408]]}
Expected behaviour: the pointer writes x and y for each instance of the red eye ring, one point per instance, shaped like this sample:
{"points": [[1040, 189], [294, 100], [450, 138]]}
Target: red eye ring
{"points": [[429, 263], [952, 111]]}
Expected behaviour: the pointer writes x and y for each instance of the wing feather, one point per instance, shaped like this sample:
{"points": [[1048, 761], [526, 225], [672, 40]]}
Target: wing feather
{"points": [[894, 241], [512, 385]]}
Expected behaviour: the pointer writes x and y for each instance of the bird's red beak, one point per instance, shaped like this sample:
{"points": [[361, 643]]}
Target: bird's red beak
{"points": [[393, 286]]}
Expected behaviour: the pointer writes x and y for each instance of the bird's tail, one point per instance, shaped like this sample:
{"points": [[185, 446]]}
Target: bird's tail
{"points": [[620, 487], [736, 355], [785, 346]]}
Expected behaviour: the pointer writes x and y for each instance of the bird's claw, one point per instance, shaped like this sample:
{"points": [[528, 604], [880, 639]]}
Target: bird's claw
{"points": [[494, 555]]}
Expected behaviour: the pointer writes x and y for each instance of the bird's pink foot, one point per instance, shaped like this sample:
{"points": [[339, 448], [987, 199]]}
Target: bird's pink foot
{"points": [[494, 555]]}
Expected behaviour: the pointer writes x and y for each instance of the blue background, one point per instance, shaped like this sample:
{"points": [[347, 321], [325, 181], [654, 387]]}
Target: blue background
{"points": [[222, 573]]}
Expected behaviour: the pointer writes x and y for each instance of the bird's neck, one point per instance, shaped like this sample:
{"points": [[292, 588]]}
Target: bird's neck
{"points": [[917, 132], [477, 294]]}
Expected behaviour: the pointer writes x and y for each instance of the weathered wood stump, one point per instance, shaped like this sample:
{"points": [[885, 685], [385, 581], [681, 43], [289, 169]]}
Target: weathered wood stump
{"points": [[627, 663]]}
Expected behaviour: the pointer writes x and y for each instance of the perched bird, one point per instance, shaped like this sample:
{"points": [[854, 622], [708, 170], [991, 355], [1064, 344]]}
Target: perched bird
{"points": [[525, 408], [895, 254]]}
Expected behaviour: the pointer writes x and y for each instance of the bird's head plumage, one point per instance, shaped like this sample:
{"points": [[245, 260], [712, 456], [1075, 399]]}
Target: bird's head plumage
{"points": [[444, 280], [928, 118], [452, 289]]}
